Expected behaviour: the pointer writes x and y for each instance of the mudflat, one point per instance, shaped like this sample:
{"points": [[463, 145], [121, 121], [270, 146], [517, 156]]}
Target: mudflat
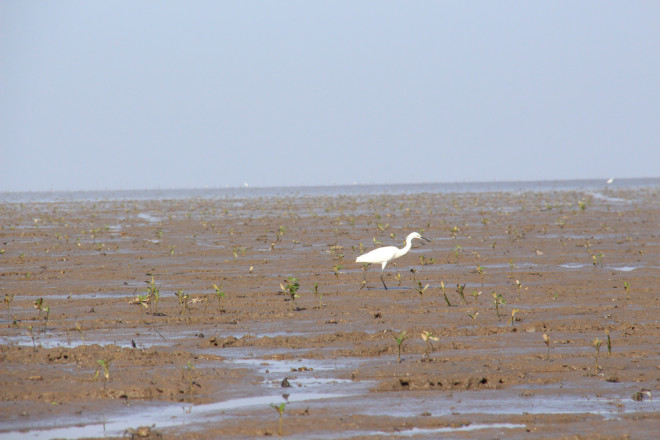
{"points": [[207, 318]]}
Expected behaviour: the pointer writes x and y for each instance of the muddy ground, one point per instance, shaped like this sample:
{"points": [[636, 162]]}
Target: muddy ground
{"points": [[575, 267]]}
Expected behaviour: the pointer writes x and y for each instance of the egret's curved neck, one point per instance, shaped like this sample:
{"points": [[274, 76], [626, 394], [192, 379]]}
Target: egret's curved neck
{"points": [[404, 250]]}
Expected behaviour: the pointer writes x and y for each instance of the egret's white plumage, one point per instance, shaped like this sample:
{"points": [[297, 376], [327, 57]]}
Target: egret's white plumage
{"points": [[384, 255]]}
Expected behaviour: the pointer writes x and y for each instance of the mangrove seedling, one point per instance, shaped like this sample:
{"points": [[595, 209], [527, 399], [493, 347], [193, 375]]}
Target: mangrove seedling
{"points": [[518, 284], [459, 290], [280, 410], [153, 293], [442, 286], [9, 297], [626, 285], [82, 335], [481, 271], [318, 295], [609, 343], [398, 279], [399, 341], [183, 300], [473, 315], [335, 269], [290, 287], [31, 333], [597, 259], [428, 338], [421, 291], [512, 320], [546, 340], [219, 293], [414, 272], [476, 296], [105, 367], [597, 343], [498, 301], [188, 376]]}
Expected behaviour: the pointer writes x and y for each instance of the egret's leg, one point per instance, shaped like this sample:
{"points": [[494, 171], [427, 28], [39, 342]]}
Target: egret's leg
{"points": [[381, 278]]}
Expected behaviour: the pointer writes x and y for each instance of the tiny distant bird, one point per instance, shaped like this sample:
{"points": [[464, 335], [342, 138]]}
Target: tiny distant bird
{"points": [[386, 254], [610, 180]]}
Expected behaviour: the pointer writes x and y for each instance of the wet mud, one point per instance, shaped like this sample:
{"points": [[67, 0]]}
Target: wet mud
{"points": [[179, 318]]}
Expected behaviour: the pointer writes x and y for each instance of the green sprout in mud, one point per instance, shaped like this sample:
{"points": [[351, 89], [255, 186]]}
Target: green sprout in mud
{"points": [[582, 204], [453, 231], [460, 290], [398, 279], [236, 249], [442, 286], [426, 261], [105, 368], [457, 250], [481, 271], [597, 343], [188, 376], [473, 315], [476, 294], [609, 343], [183, 300], [318, 295], [335, 269], [172, 249], [518, 284], [31, 333], [546, 341], [377, 242], [290, 287], [626, 285], [428, 338], [421, 291], [82, 335], [512, 319], [219, 293], [280, 410], [9, 297], [280, 232], [399, 342], [498, 301], [597, 259], [153, 293]]}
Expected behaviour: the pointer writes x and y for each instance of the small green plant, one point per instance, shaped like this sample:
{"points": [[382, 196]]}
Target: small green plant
{"points": [[442, 286], [457, 250], [609, 343], [518, 284], [290, 287], [318, 295], [512, 319], [183, 300], [476, 294], [9, 297], [460, 290], [188, 376], [428, 338], [399, 342], [597, 259], [105, 368], [473, 315], [626, 285], [424, 261], [546, 341], [31, 333], [335, 269], [280, 232], [498, 301], [153, 294], [280, 410], [481, 271], [82, 335], [219, 293], [421, 291], [597, 343]]}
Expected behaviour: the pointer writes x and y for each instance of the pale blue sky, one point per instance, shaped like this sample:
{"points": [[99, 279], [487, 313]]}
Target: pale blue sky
{"points": [[133, 95]]}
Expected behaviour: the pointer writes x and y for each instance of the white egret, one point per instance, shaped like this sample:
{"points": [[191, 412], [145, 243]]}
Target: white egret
{"points": [[384, 255]]}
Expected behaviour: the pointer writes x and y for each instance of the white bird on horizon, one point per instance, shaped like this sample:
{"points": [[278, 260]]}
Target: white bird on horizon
{"points": [[384, 255]]}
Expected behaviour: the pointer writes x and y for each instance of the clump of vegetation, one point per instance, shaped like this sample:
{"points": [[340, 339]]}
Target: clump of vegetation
{"points": [[153, 294], [512, 319], [428, 338], [399, 342], [597, 259]]}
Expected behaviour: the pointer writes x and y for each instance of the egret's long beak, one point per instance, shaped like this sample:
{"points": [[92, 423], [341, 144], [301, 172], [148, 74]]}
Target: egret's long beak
{"points": [[425, 239]]}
